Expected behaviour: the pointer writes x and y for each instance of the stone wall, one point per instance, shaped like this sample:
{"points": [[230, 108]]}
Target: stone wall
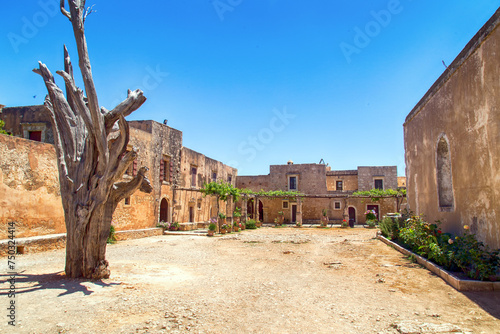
{"points": [[349, 180], [311, 177], [188, 197], [367, 176], [452, 138], [21, 120], [254, 183], [29, 188]]}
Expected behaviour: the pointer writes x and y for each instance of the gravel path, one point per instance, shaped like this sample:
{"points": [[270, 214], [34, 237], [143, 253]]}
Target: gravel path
{"points": [[271, 280]]}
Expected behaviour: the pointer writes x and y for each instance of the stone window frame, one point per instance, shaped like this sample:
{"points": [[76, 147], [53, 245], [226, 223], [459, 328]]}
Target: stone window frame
{"points": [[296, 176], [214, 176], [29, 127], [337, 185], [379, 178], [287, 206], [335, 205], [166, 161], [127, 201]]}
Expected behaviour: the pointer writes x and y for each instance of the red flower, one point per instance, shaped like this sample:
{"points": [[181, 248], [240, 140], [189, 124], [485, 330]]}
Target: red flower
{"points": [[439, 232]]}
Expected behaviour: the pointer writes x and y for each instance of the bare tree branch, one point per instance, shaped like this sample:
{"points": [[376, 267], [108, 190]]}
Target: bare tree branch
{"points": [[88, 11], [123, 190], [118, 146], [64, 11], [133, 101]]}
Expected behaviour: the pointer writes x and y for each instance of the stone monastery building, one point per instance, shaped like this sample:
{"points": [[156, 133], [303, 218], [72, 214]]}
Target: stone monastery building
{"points": [[30, 187]]}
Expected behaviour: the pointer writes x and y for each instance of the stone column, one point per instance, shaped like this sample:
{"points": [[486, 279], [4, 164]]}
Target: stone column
{"points": [[299, 210], [256, 209], [244, 204]]}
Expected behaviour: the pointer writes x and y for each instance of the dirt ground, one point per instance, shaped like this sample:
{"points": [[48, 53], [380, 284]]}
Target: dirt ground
{"points": [[271, 280]]}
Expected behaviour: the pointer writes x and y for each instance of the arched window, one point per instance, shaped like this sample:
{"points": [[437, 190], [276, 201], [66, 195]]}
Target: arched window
{"points": [[444, 178]]}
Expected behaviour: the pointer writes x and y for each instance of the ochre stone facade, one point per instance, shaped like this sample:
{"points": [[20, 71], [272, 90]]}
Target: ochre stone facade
{"points": [[29, 188], [452, 139], [323, 192]]}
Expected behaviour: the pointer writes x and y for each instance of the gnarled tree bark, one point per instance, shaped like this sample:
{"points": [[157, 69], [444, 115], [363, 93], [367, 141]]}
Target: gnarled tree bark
{"points": [[90, 142]]}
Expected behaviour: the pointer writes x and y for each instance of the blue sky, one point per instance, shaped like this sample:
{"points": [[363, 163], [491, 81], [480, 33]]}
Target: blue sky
{"points": [[254, 83]]}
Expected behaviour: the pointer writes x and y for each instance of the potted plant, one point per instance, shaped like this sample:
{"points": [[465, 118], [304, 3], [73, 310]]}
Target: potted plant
{"points": [[324, 218], [211, 229], [174, 226], [371, 223], [345, 224], [370, 215], [236, 227], [243, 226], [258, 224], [277, 221], [163, 225], [223, 229], [237, 214], [281, 216], [298, 224]]}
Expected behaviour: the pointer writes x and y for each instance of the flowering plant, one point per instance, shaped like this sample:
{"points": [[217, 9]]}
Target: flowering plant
{"points": [[163, 225], [213, 220], [345, 223], [371, 215]]}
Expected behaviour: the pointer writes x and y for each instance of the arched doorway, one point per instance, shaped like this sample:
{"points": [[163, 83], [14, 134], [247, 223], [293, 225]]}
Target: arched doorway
{"points": [[164, 210], [352, 216], [261, 211], [250, 209]]}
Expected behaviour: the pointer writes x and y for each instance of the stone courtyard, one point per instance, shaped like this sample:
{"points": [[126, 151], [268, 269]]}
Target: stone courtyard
{"points": [[270, 280]]}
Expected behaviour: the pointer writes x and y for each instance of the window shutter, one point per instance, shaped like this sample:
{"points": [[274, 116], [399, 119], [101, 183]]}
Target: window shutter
{"points": [[134, 167], [171, 171], [162, 169]]}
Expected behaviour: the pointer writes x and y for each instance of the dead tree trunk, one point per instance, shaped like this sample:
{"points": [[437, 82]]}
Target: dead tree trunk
{"points": [[90, 142]]}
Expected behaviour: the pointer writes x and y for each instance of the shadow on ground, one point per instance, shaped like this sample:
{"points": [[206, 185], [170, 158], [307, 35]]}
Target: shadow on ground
{"points": [[487, 300], [57, 281]]}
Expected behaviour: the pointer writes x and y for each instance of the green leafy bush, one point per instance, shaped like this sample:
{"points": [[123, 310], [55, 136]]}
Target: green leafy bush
{"points": [[390, 226], [112, 236], [473, 258], [251, 225], [463, 253], [372, 223]]}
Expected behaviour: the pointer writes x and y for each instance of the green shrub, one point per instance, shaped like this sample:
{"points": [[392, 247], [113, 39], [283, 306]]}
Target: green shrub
{"points": [[372, 223], [390, 227], [251, 225], [112, 236], [473, 258], [464, 252], [212, 227]]}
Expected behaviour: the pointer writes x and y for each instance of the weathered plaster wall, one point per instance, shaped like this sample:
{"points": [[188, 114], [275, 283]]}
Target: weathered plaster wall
{"points": [[29, 188], [464, 106]]}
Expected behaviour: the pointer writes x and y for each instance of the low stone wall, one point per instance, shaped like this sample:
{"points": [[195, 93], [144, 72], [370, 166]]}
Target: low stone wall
{"points": [[58, 241], [457, 283], [34, 244], [137, 234]]}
